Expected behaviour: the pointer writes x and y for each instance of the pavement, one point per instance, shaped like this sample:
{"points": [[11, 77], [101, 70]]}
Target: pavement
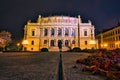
{"points": [[29, 66], [71, 73], [42, 66]]}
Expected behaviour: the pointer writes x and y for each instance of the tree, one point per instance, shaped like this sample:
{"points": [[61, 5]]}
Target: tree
{"points": [[5, 38]]}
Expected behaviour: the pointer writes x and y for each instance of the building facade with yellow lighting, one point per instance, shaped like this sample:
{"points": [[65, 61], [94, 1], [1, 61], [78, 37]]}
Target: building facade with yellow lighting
{"points": [[109, 39], [46, 32]]}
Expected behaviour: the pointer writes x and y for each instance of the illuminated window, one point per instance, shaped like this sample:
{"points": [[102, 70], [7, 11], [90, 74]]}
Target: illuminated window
{"points": [[45, 32], [85, 42], [66, 42], [32, 42], [66, 32], [45, 41], [73, 32], [59, 31], [52, 43], [52, 31]]}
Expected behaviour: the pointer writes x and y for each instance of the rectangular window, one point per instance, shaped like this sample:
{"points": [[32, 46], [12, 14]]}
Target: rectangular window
{"points": [[33, 33], [85, 42], [66, 31], [45, 41], [32, 43], [85, 33], [59, 32], [45, 32]]}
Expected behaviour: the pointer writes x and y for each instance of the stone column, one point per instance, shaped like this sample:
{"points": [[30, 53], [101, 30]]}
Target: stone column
{"points": [[56, 42], [56, 31], [63, 31], [49, 40], [70, 32], [76, 32], [49, 35]]}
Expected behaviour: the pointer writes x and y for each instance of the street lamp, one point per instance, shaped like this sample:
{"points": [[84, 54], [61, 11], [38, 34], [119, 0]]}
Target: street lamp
{"points": [[18, 45], [105, 45], [25, 42], [93, 42]]}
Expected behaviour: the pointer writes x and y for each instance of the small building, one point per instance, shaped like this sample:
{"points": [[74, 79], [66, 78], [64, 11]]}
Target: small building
{"points": [[46, 32], [109, 39]]}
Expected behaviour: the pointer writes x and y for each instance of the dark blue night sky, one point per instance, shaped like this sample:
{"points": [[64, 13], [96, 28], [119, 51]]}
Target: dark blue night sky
{"points": [[15, 13]]}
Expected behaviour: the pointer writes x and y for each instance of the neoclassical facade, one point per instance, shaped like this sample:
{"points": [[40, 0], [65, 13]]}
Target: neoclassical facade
{"points": [[46, 32]]}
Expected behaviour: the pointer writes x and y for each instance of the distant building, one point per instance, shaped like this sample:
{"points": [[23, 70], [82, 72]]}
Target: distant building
{"points": [[109, 39], [48, 31]]}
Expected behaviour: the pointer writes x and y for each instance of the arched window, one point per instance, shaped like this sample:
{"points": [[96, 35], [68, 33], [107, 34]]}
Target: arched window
{"points": [[59, 31], [45, 32], [66, 42], [52, 31], [52, 43], [73, 32], [66, 31]]}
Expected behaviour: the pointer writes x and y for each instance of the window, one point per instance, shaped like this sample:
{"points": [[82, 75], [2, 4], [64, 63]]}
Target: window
{"points": [[119, 37], [66, 42], [31, 48], [52, 31], [85, 42], [73, 42], [116, 32], [73, 32], [52, 43], [66, 31], [45, 41], [33, 32], [32, 43], [45, 32], [91, 31], [59, 31], [85, 33]]}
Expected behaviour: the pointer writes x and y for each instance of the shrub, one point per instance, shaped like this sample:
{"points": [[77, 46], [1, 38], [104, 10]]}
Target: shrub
{"points": [[44, 50], [76, 49]]}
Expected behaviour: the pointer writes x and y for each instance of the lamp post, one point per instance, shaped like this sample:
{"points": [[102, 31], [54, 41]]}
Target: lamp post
{"points": [[25, 42], [18, 46], [40, 34], [93, 42]]}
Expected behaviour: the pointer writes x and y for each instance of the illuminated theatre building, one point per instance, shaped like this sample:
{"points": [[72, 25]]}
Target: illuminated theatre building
{"points": [[48, 31]]}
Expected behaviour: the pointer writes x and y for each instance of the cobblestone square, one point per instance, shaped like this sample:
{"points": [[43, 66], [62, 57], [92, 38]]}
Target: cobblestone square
{"points": [[42, 66], [29, 66]]}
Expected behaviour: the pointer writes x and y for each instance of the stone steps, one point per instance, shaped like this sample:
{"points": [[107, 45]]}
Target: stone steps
{"points": [[57, 49]]}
